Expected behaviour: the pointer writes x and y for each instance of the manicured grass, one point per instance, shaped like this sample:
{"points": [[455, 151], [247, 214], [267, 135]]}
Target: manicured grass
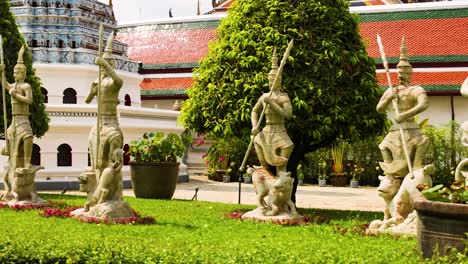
{"points": [[194, 232]]}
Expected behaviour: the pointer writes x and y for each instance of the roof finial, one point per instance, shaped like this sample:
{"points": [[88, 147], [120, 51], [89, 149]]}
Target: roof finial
{"points": [[110, 3], [198, 7]]}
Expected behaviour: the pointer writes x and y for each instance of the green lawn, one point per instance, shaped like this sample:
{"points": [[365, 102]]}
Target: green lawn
{"points": [[195, 232]]}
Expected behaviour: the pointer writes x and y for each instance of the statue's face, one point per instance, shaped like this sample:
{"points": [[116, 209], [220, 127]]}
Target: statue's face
{"points": [[19, 74], [271, 79], [404, 75]]}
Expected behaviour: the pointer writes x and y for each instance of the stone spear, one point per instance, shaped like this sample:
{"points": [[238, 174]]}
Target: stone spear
{"points": [[3, 97], [98, 126], [395, 104]]}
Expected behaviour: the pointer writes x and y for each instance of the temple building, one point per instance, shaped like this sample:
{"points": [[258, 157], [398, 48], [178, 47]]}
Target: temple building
{"points": [[169, 49]]}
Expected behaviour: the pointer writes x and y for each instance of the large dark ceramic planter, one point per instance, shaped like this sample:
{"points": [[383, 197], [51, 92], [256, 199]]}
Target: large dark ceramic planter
{"points": [[156, 180], [440, 225], [338, 179]]}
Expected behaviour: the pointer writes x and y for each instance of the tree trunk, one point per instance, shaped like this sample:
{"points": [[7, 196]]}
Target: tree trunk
{"points": [[296, 156]]}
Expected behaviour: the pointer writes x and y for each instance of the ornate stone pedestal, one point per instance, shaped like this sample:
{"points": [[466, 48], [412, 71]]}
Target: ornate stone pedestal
{"points": [[259, 214], [23, 191], [111, 210]]}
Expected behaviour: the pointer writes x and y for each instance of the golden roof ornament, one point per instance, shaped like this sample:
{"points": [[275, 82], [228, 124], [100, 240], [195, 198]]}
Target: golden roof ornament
{"points": [[403, 55]]}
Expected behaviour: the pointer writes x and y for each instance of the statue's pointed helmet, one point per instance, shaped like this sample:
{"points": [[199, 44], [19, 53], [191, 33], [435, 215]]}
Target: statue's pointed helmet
{"points": [[403, 55], [20, 61], [108, 49], [274, 64]]}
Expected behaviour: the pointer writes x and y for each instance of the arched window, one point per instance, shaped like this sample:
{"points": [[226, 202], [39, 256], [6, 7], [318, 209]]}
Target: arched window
{"points": [[128, 100], [69, 96], [126, 157], [36, 155], [64, 155], [89, 158], [45, 94]]}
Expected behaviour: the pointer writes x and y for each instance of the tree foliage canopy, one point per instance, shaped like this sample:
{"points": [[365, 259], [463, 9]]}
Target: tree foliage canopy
{"points": [[12, 41], [329, 76]]}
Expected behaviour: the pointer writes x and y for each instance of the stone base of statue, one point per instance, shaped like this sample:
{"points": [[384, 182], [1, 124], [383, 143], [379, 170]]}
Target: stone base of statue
{"points": [[110, 210], [21, 188], [260, 215], [408, 227], [400, 217], [273, 196]]}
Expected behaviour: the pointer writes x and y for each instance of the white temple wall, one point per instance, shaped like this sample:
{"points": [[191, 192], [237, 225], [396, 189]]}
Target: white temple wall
{"points": [[58, 77], [71, 124], [159, 104], [439, 111]]}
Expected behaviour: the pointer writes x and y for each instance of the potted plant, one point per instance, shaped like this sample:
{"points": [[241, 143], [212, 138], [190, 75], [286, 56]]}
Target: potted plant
{"points": [[248, 174], [154, 168], [442, 218], [322, 175], [355, 172], [227, 172], [338, 178]]}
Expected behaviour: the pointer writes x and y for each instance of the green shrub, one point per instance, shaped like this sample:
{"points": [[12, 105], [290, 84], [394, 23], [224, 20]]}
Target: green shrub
{"points": [[445, 151]]}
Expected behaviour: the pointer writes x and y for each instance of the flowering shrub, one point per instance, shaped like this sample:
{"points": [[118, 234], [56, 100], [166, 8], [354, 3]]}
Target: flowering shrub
{"points": [[21, 207], [355, 171]]}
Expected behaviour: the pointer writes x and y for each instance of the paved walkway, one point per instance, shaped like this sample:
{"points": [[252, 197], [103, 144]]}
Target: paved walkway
{"points": [[308, 196]]}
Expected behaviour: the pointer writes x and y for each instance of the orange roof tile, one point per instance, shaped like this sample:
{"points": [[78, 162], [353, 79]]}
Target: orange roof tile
{"points": [[166, 83]]}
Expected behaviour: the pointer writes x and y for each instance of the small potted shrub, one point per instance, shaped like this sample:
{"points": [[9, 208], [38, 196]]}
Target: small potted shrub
{"points": [[322, 176], [338, 178], [248, 175], [355, 171], [154, 168]]}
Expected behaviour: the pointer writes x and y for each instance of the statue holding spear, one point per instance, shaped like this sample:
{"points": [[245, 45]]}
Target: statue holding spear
{"points": [[106, 137], [272, 143], [273, 147], [404, 147], [19, 173]]}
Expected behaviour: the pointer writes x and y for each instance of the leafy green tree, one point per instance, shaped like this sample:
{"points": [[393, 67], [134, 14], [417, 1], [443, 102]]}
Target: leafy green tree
{"points": [[12, 41], [328, 76]]}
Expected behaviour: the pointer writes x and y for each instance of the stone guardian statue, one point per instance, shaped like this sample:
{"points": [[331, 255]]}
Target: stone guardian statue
{"points": [[273, 147], [403, 150], [103, 181], [19, 173], [410, 101]]}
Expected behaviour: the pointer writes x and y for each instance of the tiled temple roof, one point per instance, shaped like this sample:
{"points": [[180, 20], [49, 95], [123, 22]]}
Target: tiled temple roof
{"points": [[169, 45], [435, 38], [432, 37]]}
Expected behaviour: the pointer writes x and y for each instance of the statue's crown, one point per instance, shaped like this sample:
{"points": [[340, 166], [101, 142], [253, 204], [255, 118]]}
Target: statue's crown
{"points": [[274, 63], [20, 61], [108, 49], [403, 55]]}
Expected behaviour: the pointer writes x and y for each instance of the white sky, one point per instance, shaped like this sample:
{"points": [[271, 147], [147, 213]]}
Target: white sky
{"points": [[132, 10]]}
